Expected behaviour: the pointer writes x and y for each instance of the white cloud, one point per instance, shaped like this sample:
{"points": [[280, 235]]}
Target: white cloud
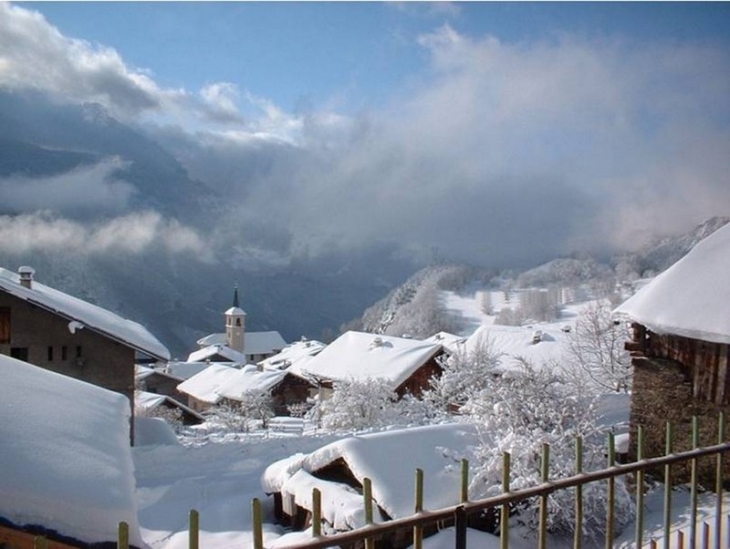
{"points": [[222, 98], [134, 233]]}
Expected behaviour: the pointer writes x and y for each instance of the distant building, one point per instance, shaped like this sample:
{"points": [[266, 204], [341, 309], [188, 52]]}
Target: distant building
{"points": [[64, 334], [252, 346]]}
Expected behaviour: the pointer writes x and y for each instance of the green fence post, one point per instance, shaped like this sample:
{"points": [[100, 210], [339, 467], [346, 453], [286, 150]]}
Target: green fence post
{"points": [[464, 480], [718, 480], [639, 488], [316, 512], [258, 524], [194, 530], [694, 483], [418, 530], [578, 537], [544, 473], [611, 492], [367, 492], [668, 487], [123, 536], [504, 515]]}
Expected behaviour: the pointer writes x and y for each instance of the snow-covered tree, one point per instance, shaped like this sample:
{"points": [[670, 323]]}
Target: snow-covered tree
{"points": [[596, 347], [518, 412], [464, 373], [356, 405], [257, 406]]}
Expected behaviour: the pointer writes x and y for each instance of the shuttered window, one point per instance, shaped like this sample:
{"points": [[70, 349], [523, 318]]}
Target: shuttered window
{"points": [[4, 324]]}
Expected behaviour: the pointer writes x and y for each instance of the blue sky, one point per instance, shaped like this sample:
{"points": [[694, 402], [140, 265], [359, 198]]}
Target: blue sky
{"points": [[355, 52], [499, 133]]}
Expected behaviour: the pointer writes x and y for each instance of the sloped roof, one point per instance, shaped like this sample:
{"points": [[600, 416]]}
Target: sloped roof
{"points": [[293, 354], [359, 356], [201, 355], [102, 321], [186, 370], [66, 461], [450, 342], [255, 343], [691, 297], [150, 401], [218, 381], [392, 479]]}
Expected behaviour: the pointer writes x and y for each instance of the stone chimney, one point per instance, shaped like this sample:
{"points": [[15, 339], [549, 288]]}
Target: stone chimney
{"points": [[26, 276]]}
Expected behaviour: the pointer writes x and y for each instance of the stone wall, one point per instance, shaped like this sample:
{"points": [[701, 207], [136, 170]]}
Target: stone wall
{"points": [[663, 392]]}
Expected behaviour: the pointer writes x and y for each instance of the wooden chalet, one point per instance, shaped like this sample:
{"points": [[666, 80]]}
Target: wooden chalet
{"points": [[680, 349]]}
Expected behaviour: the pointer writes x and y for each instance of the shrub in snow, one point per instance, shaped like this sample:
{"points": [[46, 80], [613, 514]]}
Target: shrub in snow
{"points": [[519, 411], [596, 348], [356, 405]]}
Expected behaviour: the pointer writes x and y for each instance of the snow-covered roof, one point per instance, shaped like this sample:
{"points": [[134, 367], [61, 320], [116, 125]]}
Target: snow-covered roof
{"points": [[513, 342], [92, 317], [451, 342], [185, 370], [149, 401], [235, 311], [218, 381], [66, 461], [255, 343], [392, 479], [292, 354], [206, 385], [359, 355], [201, 355], [690, 298]]}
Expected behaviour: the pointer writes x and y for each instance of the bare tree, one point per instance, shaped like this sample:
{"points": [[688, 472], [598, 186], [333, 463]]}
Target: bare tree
{"points": [[596, 346]]}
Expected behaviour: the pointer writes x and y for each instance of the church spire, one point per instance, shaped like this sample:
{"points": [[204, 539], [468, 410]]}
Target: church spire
{"points": [[235, 296]]}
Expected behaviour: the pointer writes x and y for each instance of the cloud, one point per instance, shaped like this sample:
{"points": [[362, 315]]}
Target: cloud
{"points": [[86, 190], [222, 98], [131, 234]]}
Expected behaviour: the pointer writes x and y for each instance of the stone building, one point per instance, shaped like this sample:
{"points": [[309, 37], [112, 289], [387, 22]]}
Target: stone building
{"points": [[64, 334], [680, 351]]}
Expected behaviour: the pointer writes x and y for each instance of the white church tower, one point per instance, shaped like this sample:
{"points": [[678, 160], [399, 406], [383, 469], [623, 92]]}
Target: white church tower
{"points": [[235, 325]]}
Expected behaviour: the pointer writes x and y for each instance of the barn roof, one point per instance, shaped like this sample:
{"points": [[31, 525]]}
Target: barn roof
{"points": [[451, 342], [201, 355], [92, 317], [392, 479], [360, 356], [690, 298], [218, 382], [293, 355], [66, 461], [255, 343]]}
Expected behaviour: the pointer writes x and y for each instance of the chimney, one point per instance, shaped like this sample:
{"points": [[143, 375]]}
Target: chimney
{"points": [[26, 276]]}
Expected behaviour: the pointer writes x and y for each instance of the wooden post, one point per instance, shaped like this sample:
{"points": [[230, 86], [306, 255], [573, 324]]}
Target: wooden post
{"points": [[367, 493], [504, 514], [668, 487], [694, 486], [123, 536], [545, 469], [418, 530], [194, 530], [611, 492], [718, 480], [578, 536], [464, 480], [639, 488], [316, 512], [258, 524], [460, 527]]}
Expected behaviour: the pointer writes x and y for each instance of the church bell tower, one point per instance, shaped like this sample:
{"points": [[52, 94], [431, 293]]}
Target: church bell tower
{"points": [[235, 324]]}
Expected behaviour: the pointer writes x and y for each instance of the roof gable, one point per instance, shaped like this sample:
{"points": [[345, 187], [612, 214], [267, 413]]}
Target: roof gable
{"points": [[690, 298], [102, 321]]}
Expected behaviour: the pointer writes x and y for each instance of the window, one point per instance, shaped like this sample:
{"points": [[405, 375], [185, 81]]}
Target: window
{"points": [[21, 353], [238, 322], [4, 324], [64, 352], [78, 351], [50, 354]]}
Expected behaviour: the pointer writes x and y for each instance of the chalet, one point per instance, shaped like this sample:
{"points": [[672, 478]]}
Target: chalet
{"points": [[254, 346], [67, 468], [219, 383], [680, 349], [58, 332], [149, 404], [156, 381], [338, 470], [406, 364]]}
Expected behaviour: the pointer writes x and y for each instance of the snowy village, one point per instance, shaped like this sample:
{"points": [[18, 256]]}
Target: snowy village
{"points": [[107, 428], [368, 275]]}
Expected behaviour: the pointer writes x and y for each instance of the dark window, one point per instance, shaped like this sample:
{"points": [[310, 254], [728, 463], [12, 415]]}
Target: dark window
{"points": [[21, 353], [50, 354], [78, 351], [238, 322], [4, 324], [64, 352]]}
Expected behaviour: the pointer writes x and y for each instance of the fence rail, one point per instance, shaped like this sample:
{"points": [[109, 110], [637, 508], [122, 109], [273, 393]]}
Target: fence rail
{"points": [[458, 514]]}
